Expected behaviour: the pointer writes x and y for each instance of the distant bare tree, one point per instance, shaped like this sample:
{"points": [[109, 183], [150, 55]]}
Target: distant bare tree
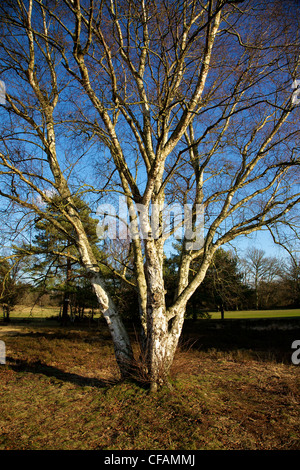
{"points": [[290, 275]]}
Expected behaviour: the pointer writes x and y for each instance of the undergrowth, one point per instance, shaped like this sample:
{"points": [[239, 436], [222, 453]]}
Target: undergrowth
{"points": [[60, 389]]}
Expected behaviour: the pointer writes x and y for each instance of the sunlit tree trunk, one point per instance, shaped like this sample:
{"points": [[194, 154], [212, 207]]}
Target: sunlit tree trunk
{"points": [[121, 341]]}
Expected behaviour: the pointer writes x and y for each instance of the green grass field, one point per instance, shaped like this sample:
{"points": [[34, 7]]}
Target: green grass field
{"points": [[244, 314], [22, 312], [39, 312]]}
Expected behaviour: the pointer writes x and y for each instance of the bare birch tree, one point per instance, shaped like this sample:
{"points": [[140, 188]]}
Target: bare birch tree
{"points": [[258, 269], [188, 102]]}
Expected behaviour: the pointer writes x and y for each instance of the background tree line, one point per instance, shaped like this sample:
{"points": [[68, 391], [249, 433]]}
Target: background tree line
{"points": [[46, 272]]}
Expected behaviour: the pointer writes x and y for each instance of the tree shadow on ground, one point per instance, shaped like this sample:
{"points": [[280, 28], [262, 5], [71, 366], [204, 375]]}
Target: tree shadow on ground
{"points": [[38, 367], [90, 335]]}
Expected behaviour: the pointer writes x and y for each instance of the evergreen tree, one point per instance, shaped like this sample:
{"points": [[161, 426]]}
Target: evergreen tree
{"points": [[11, 289], [56, 262], [222, 288]]}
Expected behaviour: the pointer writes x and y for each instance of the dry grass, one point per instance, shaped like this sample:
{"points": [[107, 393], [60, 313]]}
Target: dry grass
{"points": [[60, 389]]}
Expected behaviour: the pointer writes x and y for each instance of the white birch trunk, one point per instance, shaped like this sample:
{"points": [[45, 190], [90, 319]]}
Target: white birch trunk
{"points": [[158, 357], [121, 342], [120, 338]]}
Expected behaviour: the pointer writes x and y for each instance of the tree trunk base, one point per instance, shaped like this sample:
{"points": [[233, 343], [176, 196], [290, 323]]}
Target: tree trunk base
{"points": [[155, 387]]}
